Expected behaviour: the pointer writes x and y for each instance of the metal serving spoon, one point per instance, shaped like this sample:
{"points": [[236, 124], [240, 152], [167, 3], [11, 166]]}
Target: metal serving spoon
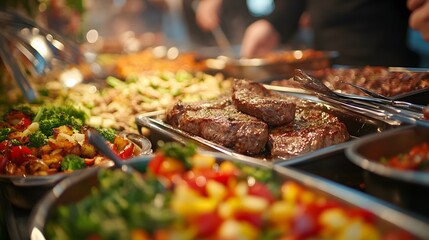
{"points": [[95, 138]]}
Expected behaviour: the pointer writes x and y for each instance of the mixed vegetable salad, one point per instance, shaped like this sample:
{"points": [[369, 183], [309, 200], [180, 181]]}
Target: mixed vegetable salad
{"points": [[417, 158], [115, 102], [48, 140], [188, 195]]}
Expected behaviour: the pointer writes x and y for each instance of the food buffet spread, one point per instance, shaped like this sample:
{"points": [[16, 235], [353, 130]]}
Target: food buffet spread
{"points": [[222, 148]]}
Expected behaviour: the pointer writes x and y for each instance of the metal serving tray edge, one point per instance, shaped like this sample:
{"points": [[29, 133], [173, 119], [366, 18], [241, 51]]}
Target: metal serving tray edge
{"points": [[387, 216]]}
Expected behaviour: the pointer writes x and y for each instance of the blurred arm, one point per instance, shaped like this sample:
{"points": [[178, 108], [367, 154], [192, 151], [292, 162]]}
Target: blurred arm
{"points": [[419, 18]]}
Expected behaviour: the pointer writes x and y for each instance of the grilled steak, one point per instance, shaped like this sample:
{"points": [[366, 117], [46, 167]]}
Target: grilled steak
{"points": [[222, 123], [254, 99], [311, 130]]}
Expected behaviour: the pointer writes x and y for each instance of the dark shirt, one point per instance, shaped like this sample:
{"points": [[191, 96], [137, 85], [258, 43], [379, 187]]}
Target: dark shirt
{"points": [[364, 32]]}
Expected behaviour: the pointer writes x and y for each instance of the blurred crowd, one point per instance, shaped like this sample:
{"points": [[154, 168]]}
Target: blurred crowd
{"points": [[130, 25]]}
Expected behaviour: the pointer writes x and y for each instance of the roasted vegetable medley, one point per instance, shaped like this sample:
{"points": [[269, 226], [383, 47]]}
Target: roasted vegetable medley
{"points": [[203, 198], [417, 158], [50, 139]]}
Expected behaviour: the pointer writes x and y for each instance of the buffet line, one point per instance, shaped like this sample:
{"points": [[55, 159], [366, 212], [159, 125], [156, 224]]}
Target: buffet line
{"points": [[283, 147]]}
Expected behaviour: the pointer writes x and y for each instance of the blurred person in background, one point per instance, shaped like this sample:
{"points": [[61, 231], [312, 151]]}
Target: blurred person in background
{"points": [[419, 22], [364, 32], [419, 19], [202, 16]]}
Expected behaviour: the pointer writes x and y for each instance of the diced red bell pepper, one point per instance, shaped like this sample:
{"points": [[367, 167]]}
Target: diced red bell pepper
{"points": [[261, 190], [362, 214], [4, 146], [23, 123], [252, 218], [89, 161], [19, 154], [207, 224], [127, 152], [155, 163]]}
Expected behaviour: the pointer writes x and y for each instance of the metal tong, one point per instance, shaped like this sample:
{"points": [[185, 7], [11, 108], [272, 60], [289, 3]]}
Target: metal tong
{"points": [[380, 106], [42, 47]]}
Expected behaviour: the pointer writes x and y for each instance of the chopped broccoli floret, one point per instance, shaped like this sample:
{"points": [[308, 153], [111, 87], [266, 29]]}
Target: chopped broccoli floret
{"points": [[108, 133], [52, 117], [3, 133], [37, 139], [72, 162]]}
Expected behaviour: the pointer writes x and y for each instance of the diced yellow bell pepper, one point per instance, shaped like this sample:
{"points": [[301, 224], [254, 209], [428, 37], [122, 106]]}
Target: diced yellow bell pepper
{"points": [[189, 203], [227, 166], [281, 212], [241, 189], [253, 204], [333, 221], [290, 191], [228, 208], [201, 161], [358, 230], [216, 190], [232, 229]]}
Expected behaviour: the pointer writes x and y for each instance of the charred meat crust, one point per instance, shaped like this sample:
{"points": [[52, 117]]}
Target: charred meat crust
{"points": [[254, 99], [222, 124], [312, 129]]}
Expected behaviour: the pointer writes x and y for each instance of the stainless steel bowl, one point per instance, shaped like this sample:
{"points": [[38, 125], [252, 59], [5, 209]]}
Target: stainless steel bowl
{"points": [[389, 218], [409, 189], [25, 192], [278, 64]]}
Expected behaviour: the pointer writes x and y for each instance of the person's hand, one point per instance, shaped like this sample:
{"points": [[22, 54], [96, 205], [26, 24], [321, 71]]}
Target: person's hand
{"points": [[207, 14], [259, 39], [419, 19]]}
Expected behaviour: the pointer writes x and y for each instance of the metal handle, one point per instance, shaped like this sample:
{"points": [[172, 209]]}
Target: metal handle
{"points": [[14, 69]]}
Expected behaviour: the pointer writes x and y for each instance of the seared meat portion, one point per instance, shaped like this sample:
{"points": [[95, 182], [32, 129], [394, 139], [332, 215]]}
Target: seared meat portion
{"points": [[311, 130], [222, 123], [174, 114], [254, 99]]}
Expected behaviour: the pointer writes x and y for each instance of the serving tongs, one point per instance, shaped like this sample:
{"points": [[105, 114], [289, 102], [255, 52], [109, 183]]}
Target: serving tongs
{"points": [[381, 106], [43, 48]]}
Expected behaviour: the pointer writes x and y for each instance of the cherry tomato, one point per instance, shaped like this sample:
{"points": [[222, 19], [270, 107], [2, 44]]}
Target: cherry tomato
{"points": [[19, 154]]}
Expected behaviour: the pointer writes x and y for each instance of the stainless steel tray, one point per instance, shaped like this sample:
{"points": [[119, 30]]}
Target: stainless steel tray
{"points": [[387, 216], [334, 165], [358, 124], [408, 188]]}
